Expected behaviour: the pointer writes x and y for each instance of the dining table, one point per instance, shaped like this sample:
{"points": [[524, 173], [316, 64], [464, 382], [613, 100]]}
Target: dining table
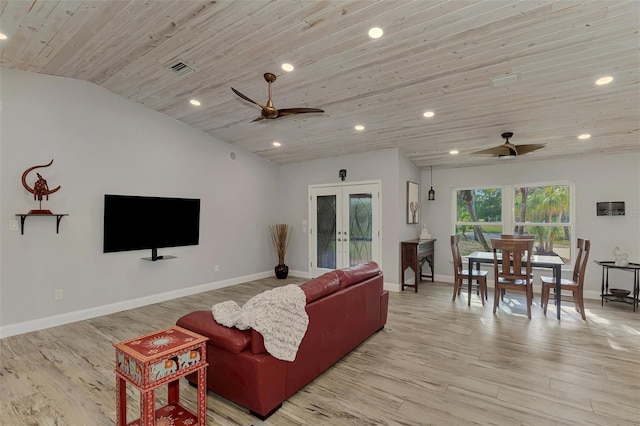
{"points": [[537, 261]]}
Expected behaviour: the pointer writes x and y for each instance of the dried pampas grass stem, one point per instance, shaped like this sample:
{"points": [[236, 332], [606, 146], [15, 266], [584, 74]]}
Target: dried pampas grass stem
{"points": [[280, 236]]}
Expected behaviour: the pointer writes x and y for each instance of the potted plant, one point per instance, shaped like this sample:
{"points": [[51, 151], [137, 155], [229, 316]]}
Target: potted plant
{"points": [[280, 236]]}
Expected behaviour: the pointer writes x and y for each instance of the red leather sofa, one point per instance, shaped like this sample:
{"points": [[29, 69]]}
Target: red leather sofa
{"points": [[345, 307]]}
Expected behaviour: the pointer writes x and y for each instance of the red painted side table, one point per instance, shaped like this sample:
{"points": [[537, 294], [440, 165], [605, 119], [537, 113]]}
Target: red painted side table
{"points": [[156, 359]]}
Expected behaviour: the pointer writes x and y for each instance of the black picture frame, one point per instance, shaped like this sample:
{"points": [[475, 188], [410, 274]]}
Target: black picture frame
{"points": [[610, 208]]}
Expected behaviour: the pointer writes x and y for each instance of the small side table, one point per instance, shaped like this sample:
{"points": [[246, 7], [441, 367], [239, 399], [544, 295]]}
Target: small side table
{"points": [[156, 359], [634, 299], [414, 254]]}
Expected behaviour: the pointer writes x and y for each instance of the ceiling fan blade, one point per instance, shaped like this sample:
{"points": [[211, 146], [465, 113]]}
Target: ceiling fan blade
{"points": [[246, 98], [508, 149], [523, 149], [257, 119], [289, 111], [496, 151]]}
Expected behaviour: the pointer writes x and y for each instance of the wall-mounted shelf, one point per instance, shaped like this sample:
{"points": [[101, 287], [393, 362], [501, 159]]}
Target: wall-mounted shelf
{"points": [[154, 256], [23, 217], [163, 257]]}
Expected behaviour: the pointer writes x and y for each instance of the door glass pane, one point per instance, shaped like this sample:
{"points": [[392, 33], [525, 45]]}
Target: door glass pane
{"points": [[360, 228], [326, 235]]}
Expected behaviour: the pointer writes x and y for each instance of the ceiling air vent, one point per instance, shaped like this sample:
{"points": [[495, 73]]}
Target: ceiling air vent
{"points": [[505, 79], [181, 69]]}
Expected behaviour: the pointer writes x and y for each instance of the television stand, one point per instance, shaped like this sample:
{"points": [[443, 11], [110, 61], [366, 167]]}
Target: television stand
{"points": [[154, 256]]}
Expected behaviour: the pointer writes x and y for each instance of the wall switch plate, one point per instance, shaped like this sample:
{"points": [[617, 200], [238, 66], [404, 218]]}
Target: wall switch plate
{"points": [[13, 225], [58, 294], [216, 268]]}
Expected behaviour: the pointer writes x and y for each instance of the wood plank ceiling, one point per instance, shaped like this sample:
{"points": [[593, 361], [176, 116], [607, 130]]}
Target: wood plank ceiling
{"points": [[440, 56]]}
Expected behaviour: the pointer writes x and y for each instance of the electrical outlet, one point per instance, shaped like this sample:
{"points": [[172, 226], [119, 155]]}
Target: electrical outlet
{"points": [[216, 268], [57, 295]]}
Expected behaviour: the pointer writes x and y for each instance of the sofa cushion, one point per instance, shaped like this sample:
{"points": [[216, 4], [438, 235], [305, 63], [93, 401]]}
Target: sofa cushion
{"points": [[357, 273], [202, 322], [321, 286]]}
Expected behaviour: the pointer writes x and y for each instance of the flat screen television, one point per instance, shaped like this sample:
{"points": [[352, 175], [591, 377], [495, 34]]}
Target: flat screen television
{"points": [[139, 223]]}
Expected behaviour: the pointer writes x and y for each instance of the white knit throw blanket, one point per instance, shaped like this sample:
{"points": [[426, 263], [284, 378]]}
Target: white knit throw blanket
{"points": [[279, 315]]}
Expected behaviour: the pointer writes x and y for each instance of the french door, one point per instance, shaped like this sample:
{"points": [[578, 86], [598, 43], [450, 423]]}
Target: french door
{"points": [[344, 226]]}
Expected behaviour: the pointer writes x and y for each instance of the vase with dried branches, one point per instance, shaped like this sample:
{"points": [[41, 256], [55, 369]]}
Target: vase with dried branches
{"points": [[280, 236]]}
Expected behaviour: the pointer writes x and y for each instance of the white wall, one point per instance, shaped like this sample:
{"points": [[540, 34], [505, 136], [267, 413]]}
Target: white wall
{"points": [[602, 178], [101, 144], [389, 166]]}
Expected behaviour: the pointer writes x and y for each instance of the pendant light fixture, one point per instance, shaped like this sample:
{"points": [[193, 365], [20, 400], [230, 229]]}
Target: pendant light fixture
{"points": [[432, 193]]}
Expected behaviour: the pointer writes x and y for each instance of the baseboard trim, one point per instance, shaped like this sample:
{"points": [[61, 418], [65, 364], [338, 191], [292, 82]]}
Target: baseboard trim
{"points": [[391, 287], [84, 314]]}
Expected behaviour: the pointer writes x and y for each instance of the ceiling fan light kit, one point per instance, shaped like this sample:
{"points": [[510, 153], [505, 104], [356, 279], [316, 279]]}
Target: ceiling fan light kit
{"points": [[269, 111]]}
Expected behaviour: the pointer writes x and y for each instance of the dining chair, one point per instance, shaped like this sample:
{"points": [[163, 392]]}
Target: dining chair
{"points": [[514, 237], [575, 285], [512, 268], [460, 275]]}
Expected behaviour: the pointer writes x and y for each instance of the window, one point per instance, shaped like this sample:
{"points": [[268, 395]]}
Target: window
{"points": [[478, 218], [542, 210]]}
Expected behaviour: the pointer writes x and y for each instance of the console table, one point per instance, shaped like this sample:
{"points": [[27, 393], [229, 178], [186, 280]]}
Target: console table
{"points": [[156, 359], [414, 254], [633, 299]]}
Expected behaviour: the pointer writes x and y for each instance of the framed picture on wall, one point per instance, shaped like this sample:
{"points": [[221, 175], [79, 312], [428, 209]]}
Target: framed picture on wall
{"points": [[413, 202]]}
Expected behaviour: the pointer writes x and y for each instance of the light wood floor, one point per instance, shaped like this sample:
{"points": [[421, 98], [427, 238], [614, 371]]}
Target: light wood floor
{"points": [[438, 362]]}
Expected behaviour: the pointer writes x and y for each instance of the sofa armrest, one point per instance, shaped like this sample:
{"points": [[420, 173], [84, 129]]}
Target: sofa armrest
{"points": [[229, 339]]}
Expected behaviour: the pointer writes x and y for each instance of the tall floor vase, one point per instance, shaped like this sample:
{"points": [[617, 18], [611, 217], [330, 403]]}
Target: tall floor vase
{"points": [[282, 271]]}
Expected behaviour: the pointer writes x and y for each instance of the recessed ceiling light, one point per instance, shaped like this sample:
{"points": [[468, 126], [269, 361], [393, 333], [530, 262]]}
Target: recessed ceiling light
{"points": [[454, 152], [276, 143], [375, 32], [604, 80], [428, 114], [359, 127], [194, 102], [3, 37], [584, 136], [287, 67]]}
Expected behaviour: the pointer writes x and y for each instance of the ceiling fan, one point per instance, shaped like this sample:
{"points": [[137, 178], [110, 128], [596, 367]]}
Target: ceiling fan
{"points": [[269, 111], [508, 149]]}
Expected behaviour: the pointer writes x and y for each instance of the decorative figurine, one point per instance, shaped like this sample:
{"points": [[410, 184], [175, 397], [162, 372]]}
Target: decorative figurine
{"points": [[413, 207], [425, 235], [621, 258], [40, 188]]}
